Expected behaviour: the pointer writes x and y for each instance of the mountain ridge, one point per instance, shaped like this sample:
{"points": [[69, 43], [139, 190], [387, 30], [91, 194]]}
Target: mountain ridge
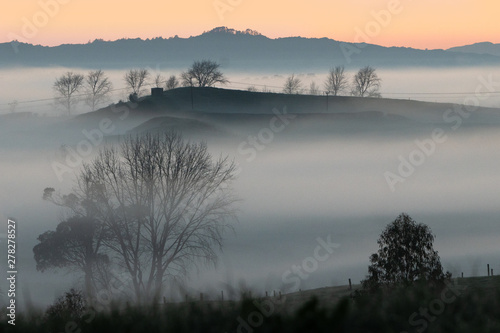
{"points": [[236, 50]]}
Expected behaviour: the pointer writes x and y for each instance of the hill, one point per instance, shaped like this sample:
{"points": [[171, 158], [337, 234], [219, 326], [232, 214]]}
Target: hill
{"points": [[235, 50], [213, 111], [479, 48]]}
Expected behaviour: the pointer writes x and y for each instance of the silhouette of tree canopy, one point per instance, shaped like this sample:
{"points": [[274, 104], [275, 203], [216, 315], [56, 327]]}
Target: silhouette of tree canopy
{"points": [[203, 73], [75, 245], [172, 82], [336, 81], [366, 83], [98, 87], [405, 256], [293, 85], [65, 87], [135, 79]]}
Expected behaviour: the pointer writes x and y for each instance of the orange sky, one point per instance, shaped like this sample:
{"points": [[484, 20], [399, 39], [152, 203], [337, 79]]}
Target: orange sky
{"points": [[411, 23]]}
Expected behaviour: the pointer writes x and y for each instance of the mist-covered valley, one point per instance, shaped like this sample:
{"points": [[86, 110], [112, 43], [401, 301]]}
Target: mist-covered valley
{"points": [[340, 171]]}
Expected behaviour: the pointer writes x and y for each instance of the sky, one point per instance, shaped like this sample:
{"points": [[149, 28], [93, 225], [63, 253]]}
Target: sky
{"points": [[419, 24]]}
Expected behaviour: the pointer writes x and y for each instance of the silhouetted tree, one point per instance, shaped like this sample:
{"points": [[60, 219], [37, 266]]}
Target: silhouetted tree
{"points": [[71, 306], [336, 81], [78, 242], [366, 83], [135, 79], [74, 245], [203, 73], [159, 80], [98, 87], [405, 256], [172, 82], [65, 87], [293, 85]]}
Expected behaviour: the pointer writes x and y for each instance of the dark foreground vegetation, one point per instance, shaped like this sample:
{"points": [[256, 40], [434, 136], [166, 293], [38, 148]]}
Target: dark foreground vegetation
{"points": [[464, 305]]}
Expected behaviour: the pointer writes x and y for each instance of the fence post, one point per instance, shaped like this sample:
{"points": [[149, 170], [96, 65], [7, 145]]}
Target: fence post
{"points": [[350, 284], [488, 269], [462, 275]]}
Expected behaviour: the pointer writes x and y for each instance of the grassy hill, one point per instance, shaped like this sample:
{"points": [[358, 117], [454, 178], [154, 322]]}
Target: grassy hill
{"points": [[219, 112]]}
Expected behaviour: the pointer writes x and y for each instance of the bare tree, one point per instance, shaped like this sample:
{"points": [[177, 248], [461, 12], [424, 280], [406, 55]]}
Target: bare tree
{"points": [[159, 80], [165, 202], [366, 83], [336, 81], [293, 85], [98, 87], [172, 82], [65, 87], [135, 79], [313, 88], [203, 73]]}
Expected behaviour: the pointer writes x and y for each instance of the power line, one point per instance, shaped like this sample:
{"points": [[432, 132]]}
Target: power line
{"points": [[435, 95]]}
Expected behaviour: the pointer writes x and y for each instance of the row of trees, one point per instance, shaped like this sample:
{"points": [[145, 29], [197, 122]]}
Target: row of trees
{"points": [[365, 83], [95, 87]]}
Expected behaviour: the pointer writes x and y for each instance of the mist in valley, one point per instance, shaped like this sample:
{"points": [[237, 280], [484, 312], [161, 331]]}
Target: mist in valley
{"points": [[317, 177]]}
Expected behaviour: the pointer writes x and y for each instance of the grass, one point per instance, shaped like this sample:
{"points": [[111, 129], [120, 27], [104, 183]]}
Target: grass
{"points": [[477, 309]]}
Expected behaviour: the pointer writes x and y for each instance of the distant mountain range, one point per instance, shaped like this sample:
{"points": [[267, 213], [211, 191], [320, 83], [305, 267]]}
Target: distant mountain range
{"points": [[240, 50], [479, 48]]}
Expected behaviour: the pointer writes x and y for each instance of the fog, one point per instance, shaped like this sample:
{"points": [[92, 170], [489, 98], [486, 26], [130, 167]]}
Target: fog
{"points": [[32, 87], [300, 187]]}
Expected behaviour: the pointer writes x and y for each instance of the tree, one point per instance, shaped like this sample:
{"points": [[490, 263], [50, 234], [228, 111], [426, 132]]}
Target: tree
{"points": [[70, 306], [135, 79], [159, 80], [293, 85], [405, 256], [98, 88], [313, 89], [65, 87], [77, 244], [203, 73], [336, 81], [172, 82], [165, 203], [366, 83]]}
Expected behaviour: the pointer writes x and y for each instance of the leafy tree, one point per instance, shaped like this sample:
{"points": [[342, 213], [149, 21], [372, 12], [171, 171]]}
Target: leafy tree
{"points": [[336, 81], [98, 87], [366, 83], [203, 73], [405, 256], [293, 85], [65, 87]]}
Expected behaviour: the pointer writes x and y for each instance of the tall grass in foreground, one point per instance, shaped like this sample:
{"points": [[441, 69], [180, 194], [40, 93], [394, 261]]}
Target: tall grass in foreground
{"points": [[406, 310]]}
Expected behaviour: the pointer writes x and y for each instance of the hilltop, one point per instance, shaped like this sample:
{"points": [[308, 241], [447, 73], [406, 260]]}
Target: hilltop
{"points": [[215, 111]]}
